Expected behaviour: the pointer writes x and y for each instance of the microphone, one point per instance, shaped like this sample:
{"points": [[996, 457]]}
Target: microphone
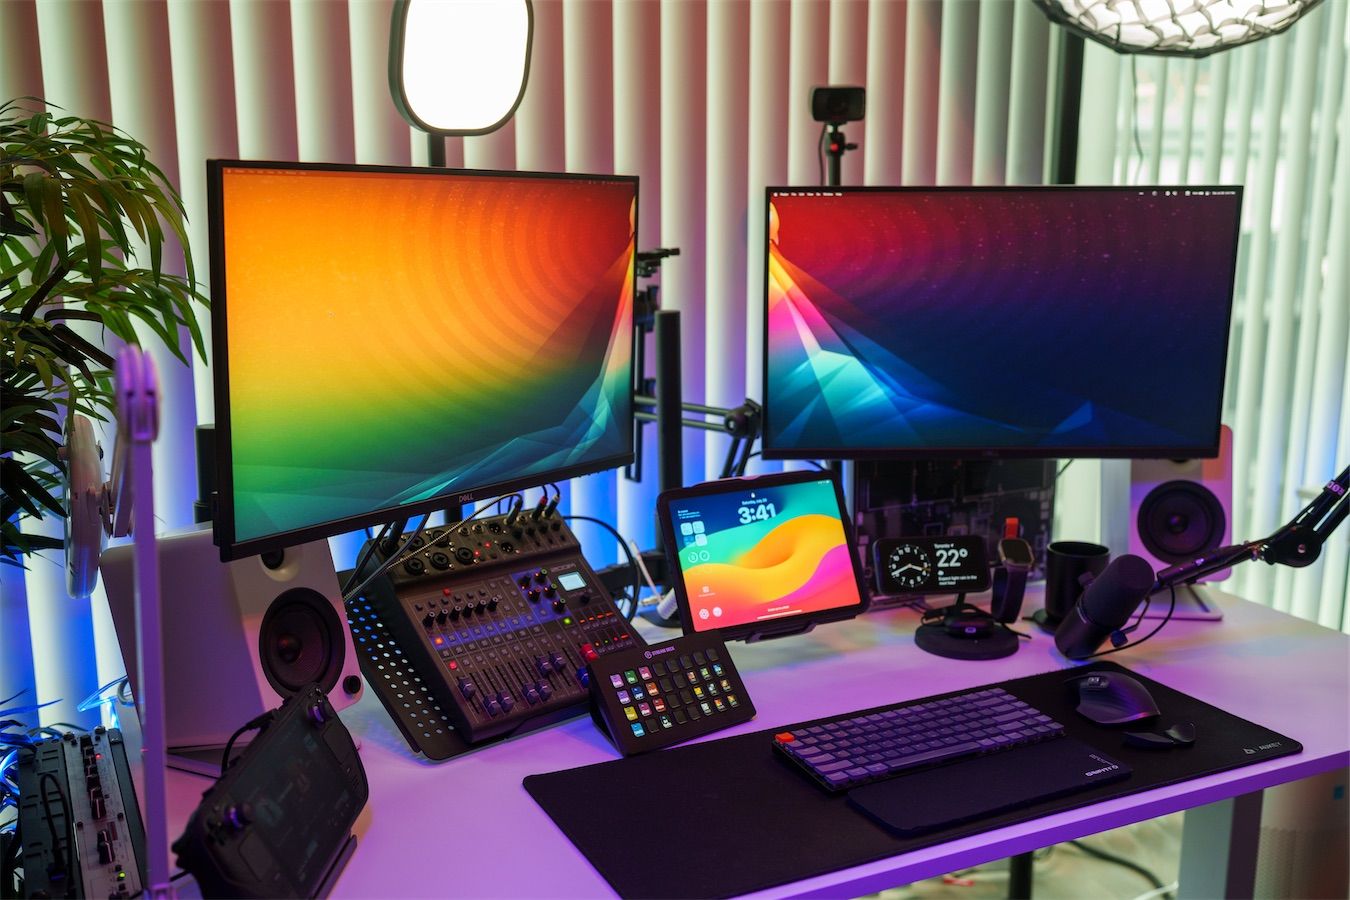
{"points": [[1105, 606]]}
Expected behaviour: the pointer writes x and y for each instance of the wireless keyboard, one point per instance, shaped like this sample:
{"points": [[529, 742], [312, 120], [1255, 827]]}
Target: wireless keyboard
{"points": [[857, 749]]}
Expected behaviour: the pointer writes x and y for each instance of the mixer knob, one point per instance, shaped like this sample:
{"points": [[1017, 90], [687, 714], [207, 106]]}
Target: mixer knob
{"points": [[531, 693], [584, 677], [493, 708], [467, 689], [492, 604], [533, 595], [471, 607], [428, 619], [559, 661], [523, 581], [559, 605], [541, 576], [506, 700], [543, 664], [550, 591], [454, 613], [545, 690], [440, 617], [584, 598]]}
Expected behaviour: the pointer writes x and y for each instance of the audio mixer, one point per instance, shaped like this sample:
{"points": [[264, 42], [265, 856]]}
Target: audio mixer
{"points": [[500, 618]]}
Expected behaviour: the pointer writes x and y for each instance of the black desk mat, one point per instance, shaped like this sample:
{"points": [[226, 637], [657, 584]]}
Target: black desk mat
{"points": [[728, 817]]}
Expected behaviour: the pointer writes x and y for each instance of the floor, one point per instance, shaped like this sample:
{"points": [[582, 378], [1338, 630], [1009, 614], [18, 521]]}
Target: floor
{"points": [[1064, 872]]}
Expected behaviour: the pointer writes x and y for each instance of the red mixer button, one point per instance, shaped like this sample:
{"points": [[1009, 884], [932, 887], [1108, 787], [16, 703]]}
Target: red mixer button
{"points": [[588, 651]]}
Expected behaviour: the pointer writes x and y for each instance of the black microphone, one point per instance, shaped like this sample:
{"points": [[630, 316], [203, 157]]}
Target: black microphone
{"points": [[1105, 606]]}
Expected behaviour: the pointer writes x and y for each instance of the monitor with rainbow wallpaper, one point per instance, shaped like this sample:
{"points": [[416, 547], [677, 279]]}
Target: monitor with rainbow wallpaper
{"points": [[986, 322], [389, 340]]}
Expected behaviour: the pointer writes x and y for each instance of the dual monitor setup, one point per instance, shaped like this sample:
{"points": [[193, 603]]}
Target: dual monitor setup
{"points": [[392, 341]]}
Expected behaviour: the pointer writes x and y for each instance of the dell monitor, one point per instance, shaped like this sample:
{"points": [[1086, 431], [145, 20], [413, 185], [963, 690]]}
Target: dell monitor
{"points": [[389, 341], [997, 322]]}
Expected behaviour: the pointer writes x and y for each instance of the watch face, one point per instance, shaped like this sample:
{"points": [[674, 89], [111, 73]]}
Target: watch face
{"points": [[909, 565], [1016, 551]]}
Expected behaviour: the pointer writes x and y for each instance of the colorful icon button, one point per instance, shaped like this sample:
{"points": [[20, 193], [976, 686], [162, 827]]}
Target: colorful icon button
{"points": [[638, 695], [630, 713], [616, 679], [623, 696], [637, 729], [698, 692], [731, 699], [651, 688], [644, 709], [707, 710], [644, 673], [717, 669], [659, 705], [666, 723], [721, 707], [630, 676]]}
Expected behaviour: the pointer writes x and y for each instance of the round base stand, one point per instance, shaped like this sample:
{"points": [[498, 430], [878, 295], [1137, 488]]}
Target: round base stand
{"points": [[1048, 624], [935, 639]]}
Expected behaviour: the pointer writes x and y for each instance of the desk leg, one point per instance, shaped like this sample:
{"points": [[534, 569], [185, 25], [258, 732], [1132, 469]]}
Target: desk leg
{"points": [[1218, 848], [1019, 876]]}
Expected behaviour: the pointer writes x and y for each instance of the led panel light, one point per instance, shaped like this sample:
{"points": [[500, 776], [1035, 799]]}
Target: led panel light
{"points": [[459, 67], [1175, 27]]}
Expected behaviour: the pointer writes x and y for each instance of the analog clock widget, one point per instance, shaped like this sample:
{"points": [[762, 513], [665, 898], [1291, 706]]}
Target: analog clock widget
{"points": [[955, 563], [909, 566]]}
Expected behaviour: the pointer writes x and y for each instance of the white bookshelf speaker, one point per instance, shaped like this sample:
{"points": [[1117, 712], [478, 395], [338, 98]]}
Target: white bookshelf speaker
{"points": [[239, 637]]}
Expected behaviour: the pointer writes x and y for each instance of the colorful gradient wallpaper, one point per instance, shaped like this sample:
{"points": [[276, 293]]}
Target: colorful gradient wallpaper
{"points": [[394, 337], [763, 554], [1034, 321]]}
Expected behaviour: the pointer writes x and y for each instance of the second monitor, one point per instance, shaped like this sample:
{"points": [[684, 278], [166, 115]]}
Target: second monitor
{"points": [[971, 322]]}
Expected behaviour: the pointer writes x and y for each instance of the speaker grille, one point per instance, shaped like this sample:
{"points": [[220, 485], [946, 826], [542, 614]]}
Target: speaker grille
{"points": [[300, 641], [1179, 520]]}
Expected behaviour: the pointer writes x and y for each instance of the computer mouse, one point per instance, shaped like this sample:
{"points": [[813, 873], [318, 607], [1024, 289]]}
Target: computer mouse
{"points": [[1110, 698]]}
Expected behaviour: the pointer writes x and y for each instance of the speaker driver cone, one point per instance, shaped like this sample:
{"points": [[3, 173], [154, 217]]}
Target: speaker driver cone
{"points": [[300, 641], [1179, 520]]}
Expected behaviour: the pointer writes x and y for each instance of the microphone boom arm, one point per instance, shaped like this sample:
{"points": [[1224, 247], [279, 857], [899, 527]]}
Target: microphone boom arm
{"points": [[1297, 544]]}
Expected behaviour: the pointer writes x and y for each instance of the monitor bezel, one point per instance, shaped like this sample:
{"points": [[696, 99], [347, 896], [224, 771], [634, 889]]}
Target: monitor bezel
{"points": [[223, 518], [754, 631], [1209, 450]]}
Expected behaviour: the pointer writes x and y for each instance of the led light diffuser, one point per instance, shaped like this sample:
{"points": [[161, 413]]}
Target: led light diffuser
{"points": [[459, 66], [1175, 27]]}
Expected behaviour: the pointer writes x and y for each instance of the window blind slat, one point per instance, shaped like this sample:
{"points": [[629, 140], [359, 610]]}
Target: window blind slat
{"points": [[923, 36], [1026, 95], [992, 92], [956, 92], [885, 92]]}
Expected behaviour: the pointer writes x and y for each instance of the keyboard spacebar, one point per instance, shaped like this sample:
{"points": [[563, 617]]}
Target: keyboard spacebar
{"points": [[908, 762]]}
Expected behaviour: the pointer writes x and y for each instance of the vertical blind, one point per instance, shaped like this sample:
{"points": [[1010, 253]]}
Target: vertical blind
{"points": [[708, 104], [1273, 116]]}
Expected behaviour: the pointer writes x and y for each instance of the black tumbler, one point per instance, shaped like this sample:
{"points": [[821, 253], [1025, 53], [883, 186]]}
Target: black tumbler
{"points": [[1065, 563]]}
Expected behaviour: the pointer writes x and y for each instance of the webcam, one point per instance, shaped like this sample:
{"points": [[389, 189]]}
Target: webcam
{"points": [[837, 105]]}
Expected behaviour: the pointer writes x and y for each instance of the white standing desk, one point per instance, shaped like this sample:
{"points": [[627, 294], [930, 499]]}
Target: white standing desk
{"points": [[465, 827]]}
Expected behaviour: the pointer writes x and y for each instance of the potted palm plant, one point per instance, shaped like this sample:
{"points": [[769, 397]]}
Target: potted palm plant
{"points": [[85, 218]]}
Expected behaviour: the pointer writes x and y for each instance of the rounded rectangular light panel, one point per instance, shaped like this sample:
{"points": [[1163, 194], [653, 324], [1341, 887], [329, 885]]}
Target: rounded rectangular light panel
{"points": [[459, 66]]}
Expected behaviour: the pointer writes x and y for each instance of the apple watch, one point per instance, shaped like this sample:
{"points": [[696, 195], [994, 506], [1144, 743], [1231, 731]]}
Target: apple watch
{"points": [[1016, 559]]}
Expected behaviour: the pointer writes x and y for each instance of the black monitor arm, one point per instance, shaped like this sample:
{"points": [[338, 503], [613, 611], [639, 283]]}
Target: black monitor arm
{"points": [[1297, 544]]}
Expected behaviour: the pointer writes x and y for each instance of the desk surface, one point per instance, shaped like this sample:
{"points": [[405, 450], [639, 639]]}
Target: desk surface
{"points": [[466, 826]]}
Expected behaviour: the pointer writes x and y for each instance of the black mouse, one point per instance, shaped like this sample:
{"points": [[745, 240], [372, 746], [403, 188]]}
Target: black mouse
{"points": [[1109, 698]]}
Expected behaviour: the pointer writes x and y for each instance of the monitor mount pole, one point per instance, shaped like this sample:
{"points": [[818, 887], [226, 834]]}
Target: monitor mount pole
{"points": [[661, 400], [837, 145]]}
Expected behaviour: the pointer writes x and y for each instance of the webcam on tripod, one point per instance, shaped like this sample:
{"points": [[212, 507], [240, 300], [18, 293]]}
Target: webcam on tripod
{"points": [[837, 105]]}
